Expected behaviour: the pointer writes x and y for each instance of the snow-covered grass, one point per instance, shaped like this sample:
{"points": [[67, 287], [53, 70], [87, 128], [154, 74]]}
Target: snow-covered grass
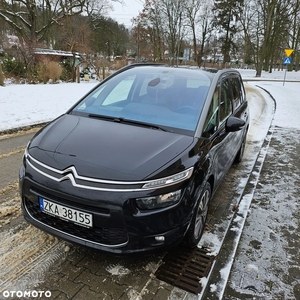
{"points": [[23, 105], [278, 75], [286, 94]]}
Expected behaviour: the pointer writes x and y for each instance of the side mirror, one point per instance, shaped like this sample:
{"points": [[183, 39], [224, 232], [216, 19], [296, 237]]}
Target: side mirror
{"points": [[234, 124]]}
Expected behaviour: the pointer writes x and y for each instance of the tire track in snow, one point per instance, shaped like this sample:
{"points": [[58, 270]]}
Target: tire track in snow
{"points": [[25, 255]]}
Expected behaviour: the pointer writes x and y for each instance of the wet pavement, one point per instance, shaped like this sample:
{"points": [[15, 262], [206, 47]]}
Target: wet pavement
{"points": [[266, 264], [259, 258]]}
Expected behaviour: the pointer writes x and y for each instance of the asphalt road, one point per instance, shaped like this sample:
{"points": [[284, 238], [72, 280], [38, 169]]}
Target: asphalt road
{"points": [[11, 150], [33, 260]]}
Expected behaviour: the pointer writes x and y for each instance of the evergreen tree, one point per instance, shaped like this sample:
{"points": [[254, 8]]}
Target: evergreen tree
{"points": [[226, 16]]}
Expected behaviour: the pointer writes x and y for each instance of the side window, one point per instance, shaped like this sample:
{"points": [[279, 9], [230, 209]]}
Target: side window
{"points": [[243, 95], [225, 101], [236, 91], [211, 121]]}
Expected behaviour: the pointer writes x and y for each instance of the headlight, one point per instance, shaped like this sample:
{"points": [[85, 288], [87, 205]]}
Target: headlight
{"points": [[25, 155], [170, 180], [158, 201]]}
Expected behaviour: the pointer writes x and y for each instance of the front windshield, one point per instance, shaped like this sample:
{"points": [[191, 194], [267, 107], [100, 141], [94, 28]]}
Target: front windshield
{"points": [[165, 97]]}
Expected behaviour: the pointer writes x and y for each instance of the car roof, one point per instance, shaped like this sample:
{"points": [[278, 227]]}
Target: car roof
{"points": [[209, 72]]}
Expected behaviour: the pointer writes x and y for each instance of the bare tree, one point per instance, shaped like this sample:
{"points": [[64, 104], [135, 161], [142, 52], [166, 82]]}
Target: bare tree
{"points": [[149, 33], [192, 10], [266, 27], [31, 19], [96, 9], [206, 28], [295, 33], [172, 13], [247, 20]]}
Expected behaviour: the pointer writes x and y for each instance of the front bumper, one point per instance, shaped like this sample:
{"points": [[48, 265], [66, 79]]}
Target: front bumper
{"points": [[118, 227]]}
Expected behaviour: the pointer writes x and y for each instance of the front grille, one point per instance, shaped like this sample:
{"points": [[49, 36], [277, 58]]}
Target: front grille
{"points": [[103, 236]]}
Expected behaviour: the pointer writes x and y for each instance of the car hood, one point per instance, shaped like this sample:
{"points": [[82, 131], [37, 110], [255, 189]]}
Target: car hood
{"points": [[104, 149]]}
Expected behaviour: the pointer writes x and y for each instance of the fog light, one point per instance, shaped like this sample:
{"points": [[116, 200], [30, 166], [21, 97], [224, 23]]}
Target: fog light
{"points": [[160, 238]]}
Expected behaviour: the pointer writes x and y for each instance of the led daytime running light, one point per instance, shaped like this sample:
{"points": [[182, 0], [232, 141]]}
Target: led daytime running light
{"points": [[170, 180]]}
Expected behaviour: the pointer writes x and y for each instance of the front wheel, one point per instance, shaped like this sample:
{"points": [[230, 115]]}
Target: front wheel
{"points": [[199, 218]]}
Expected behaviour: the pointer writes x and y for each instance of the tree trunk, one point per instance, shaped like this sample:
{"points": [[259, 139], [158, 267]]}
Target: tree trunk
{"points": [[1, 76], [195, 46], [259, 69]]}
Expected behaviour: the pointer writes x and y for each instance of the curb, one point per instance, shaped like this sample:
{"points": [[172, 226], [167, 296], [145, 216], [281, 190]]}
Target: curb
{"points": [[219, 275]]}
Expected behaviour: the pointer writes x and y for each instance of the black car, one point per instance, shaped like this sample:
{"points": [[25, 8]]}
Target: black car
{"points": [[132, 166]]}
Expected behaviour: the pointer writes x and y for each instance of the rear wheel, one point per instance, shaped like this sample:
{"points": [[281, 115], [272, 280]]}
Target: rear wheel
{"points": [[199, 218]]}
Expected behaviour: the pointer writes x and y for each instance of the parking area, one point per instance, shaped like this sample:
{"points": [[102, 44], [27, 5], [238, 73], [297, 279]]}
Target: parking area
{"points": [[42, 263]]}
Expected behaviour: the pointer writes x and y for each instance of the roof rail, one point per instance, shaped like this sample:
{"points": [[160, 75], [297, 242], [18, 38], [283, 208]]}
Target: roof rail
{"points": [[212, 70]]}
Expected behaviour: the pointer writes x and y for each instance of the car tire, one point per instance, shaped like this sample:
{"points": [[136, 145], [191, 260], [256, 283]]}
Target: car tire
{"points": [[197, 225], [240, 154]]}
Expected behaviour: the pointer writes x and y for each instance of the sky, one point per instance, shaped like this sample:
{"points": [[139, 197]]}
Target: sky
{"points": [[124, 13], [23, 105]]}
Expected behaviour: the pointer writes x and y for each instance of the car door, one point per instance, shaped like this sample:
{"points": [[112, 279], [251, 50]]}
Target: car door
{"points": [[225, 139], [239, 105], [221, 108]]}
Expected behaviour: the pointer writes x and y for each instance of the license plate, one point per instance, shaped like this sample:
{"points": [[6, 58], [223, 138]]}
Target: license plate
{"points": [[66, 213]]}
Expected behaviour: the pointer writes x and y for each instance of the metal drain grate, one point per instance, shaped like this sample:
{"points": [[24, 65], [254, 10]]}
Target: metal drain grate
{"points": [[183, 267]]}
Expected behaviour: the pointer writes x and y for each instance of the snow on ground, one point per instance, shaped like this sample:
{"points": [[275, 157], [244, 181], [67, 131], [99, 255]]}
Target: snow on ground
{"points": [[286, 94], [23, 105]]}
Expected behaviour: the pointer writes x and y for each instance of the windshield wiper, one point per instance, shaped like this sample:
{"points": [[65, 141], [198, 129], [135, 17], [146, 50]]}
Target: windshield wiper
{"points": [[127, 121], [140, 123], [102, 117]]}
